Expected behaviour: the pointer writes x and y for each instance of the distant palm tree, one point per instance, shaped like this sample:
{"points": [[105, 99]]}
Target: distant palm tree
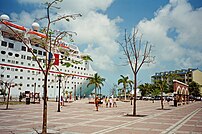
{"points": [[162, 85], [143, 90], [125, 81], [97, 81]]}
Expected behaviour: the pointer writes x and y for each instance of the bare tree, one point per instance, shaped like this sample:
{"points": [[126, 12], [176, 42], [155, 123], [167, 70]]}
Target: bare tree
{"points": [[8, 85], [136, 54], [50, 41]]}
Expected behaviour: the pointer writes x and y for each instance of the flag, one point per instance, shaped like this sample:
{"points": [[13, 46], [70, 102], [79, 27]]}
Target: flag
{"points": [[50, 56], [57, 60], [55, 57]]}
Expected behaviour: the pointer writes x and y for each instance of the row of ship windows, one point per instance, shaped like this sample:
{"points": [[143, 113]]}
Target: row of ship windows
{"points": [[33, 65], [28, 78], [33, 72], [35, 51], [23, 48], [22, 56], [29, 58], [32, 85]]}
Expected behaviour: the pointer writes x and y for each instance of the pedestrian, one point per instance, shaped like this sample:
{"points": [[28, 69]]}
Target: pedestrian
{"points": [[114, 102], [61, 101], [84, 96], [110, 102], [96, 103], [106, 101], [101, 102], [131, 99]]}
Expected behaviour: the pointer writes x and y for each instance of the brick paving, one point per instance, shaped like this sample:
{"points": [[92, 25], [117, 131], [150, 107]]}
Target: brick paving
{"points": [[81, 118]]}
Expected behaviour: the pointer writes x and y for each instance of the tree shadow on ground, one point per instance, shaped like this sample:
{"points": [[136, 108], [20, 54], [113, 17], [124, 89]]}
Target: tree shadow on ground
{"points": [[7, 109], [163, 109], [173, 106], [131, 115]]}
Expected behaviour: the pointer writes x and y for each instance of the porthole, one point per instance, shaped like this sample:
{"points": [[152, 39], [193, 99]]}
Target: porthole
{"points": [[3, 43], [10, 54], [3, 52], [40, 52], [23, 48], [10, 45]]}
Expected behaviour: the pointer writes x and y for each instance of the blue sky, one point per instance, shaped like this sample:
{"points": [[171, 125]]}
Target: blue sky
{"points": [[173, 27]]}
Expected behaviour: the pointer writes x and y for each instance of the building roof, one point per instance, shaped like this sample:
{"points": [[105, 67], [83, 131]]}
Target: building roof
{"points": [[182, 71]]}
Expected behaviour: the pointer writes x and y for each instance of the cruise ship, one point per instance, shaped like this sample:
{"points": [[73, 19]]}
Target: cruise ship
{"points": [[18, 67]]}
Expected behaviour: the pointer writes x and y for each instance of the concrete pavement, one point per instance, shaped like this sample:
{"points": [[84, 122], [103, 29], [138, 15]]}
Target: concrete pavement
{"points": [[81, 118]]}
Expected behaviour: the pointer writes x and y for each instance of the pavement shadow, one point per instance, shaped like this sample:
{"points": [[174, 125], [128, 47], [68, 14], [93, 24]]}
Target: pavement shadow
{"points": [[131, 115], [7, 109], [163, 109]]}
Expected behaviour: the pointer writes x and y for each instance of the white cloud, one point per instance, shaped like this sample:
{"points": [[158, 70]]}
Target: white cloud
{"points": [[82, 6], [176, 33], [27, 17], [94, 28], [101, 32]]}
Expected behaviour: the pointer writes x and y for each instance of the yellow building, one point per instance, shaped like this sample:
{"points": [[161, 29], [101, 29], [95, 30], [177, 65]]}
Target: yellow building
{"points": [[197, 77]]}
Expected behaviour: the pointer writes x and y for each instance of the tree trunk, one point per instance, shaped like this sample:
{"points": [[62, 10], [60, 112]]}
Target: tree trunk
{"points": [[95, 93], [44, 127], [9, 89], [134, 96], [100, 93], [125, 92], [161, 99]]}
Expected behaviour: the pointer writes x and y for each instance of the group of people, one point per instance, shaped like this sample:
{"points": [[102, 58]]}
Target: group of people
{"points": [[109, 102]]}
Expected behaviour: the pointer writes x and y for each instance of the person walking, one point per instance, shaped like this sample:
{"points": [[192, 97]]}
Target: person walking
{"points": [[96, 103], [106, 101], [110, 102], [114, 102], [61, 101]]}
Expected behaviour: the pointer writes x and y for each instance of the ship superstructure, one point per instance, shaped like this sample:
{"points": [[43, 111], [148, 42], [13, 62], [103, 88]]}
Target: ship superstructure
{"points": [[19, 67]]}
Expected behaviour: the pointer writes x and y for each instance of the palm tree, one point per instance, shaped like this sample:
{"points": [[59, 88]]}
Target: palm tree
{"points": [[154, 91], [162, 85], [143, 90], [194, 89], [125, 81], [97, 81]]}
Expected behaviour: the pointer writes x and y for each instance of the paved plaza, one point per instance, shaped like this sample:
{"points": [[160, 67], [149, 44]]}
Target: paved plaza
{"points": [[81, 118]]}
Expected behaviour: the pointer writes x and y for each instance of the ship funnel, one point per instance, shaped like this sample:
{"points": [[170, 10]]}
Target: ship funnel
{"points": [[4, 17], [35, 26]]}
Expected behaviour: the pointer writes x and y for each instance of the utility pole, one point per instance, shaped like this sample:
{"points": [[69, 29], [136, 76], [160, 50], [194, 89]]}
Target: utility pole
{"points": [[34, 91], [59, 93]]}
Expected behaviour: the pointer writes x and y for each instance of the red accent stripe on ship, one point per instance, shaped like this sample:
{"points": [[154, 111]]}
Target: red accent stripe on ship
{"points": [[28, 68], [14, 25]]}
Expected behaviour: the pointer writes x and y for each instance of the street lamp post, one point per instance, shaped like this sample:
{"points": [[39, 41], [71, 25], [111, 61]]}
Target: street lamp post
{"points": [[80, 93], [34, 91], [75, 92], [59, 93]]}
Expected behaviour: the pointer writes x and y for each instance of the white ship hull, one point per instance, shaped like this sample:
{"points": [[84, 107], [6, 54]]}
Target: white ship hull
{"points": [[18, 67]]}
